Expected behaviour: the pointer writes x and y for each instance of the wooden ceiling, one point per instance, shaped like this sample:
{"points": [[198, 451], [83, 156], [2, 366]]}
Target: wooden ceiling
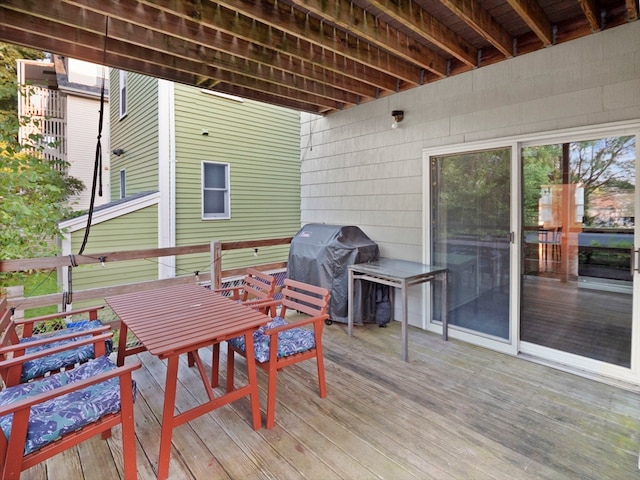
{"points": [[319, 56]]}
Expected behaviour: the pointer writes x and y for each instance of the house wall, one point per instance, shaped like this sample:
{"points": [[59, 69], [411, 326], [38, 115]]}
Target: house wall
{"points": [[82, 132], [357, 170], [136, 133], [131, 231], [261, 144]]}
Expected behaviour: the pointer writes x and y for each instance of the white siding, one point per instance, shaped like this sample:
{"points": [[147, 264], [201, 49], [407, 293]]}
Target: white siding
{"points": [[82, 133], [357, 170]]}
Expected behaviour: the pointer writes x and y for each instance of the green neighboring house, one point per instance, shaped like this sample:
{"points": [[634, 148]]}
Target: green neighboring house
{"points": [[189, 166]]}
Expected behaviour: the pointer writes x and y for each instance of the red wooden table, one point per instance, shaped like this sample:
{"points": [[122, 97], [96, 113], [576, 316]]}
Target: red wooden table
{"points": [[181, 319]]}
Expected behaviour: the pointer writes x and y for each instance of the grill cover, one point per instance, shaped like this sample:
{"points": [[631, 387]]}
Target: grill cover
{"points": [[320, 254]]}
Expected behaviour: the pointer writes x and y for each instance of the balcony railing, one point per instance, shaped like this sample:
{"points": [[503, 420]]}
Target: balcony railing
{"points": [[215, 276], [47, 122]]}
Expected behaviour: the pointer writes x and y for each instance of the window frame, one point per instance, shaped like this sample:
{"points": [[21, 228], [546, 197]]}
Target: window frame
{"points": [[226, 215], [123, 183], [122, 94]]}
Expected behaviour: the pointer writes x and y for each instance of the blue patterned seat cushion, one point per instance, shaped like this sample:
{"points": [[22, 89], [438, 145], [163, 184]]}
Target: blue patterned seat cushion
{"points": [[39, 367], [52, 419], [290, 342]]}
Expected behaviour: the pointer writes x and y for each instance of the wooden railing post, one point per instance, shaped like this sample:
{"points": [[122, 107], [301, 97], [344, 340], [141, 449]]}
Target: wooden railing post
{"points": [[216, 264]]}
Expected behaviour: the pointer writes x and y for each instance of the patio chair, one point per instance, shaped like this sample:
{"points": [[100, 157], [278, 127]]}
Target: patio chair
{"points": [[256, 286], [44, 417], [281, 343], [56, 357]]}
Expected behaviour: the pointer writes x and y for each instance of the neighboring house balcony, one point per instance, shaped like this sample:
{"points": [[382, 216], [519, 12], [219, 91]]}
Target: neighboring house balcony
{"points": [[46, 129]]}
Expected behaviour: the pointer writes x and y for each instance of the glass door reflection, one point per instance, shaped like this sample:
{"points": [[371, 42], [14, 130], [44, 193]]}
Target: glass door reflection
{"points": [[578, 233], [471, 237]]}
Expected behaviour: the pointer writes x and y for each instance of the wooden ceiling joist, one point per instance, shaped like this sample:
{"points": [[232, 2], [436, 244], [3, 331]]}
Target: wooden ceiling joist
{"points": [[309, 55]]}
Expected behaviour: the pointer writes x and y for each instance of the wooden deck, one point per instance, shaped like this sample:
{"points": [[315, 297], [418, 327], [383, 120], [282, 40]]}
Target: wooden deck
{"points": [[455, 411]]}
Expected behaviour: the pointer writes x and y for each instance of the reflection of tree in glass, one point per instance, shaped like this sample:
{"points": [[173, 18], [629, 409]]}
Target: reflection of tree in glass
{"points": [[603, 167], [596, 165], [539, 166], [609, 161], [475, 189]]}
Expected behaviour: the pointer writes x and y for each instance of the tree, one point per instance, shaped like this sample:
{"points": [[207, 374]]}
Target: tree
{"points": [[32, 194], [604, 162], [9, 88]]}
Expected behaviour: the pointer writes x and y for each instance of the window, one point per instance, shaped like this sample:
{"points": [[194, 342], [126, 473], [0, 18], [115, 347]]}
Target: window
{"points": [[215, 191], [123, 93], [123, 184]]}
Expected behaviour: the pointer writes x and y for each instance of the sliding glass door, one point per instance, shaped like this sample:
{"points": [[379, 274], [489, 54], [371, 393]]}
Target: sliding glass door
{"points": [[539, 238], [578, 217], [470, 231]]}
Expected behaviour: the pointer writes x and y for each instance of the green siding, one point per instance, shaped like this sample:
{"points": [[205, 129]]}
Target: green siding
{"points": [[261, 143], [136, 134], [136, 230]]}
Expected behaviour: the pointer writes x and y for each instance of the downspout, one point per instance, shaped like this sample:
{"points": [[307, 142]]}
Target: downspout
{"points": [[166, 177]]}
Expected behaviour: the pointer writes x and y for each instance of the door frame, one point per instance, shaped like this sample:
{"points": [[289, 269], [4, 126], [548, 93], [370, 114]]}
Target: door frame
{"points": [[562, 360]]}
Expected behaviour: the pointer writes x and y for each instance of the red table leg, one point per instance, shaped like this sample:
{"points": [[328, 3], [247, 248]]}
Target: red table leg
{"points": [[167, 417], [253, 381], [122, 343]]}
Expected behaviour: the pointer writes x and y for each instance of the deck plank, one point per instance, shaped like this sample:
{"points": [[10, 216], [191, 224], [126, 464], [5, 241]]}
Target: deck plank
{"points": [[454, 411]]}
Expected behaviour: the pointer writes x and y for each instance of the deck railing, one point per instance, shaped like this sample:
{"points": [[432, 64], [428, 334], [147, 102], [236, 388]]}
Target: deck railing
{"points": [[215, 276]]}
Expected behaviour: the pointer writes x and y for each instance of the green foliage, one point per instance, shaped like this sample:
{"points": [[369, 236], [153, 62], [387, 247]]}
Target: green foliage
{"points": [[600, 165], [538, 168], [32, 201], [33, 194], [475, 192], [35, 284], [9, 88]]}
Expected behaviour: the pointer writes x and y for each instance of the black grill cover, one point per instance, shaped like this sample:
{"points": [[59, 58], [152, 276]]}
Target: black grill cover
{"points": [[320, 254]]}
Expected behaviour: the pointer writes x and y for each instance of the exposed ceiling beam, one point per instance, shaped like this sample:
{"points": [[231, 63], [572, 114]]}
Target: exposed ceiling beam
{"points": [[589, 9], [483, 24], [216, 65], [76, 47], [207, 39], [632, 9], [350, 17], [312, 55], [531, 12], [412, 16], [274, 26]]}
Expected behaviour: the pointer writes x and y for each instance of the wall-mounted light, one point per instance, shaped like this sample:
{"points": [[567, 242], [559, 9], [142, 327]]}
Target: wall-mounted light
{"points": [[397, 115], [118, 151]]}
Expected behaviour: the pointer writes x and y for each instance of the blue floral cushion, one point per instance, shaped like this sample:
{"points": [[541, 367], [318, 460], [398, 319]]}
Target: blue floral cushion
{"points": [[39, 367], [50, 420], [290, 342]]}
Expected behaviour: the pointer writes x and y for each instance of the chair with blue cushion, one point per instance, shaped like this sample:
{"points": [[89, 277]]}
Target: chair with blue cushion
{"points": [[256, 286], [286, 341], [42, 418], [17, 338]]}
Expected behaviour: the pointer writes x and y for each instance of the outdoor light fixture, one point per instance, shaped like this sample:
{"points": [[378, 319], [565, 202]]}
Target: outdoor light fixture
{"points": [[397, 115], [118, 151]]}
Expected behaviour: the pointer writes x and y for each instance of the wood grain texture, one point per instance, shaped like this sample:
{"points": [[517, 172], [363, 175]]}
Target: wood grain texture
{"points": [[454, 411]]}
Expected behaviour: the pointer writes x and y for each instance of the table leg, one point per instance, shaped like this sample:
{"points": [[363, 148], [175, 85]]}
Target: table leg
{"points": [[445, 322], [122, 343], [252, 377], [405, 321], [350, 303], [167, 417]]}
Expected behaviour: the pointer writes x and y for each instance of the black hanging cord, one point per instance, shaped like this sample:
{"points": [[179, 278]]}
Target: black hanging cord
{"points": [[97, 169]]}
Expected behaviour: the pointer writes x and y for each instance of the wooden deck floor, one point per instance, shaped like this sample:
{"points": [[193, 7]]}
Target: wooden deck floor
{"points": [[455, 411]]}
